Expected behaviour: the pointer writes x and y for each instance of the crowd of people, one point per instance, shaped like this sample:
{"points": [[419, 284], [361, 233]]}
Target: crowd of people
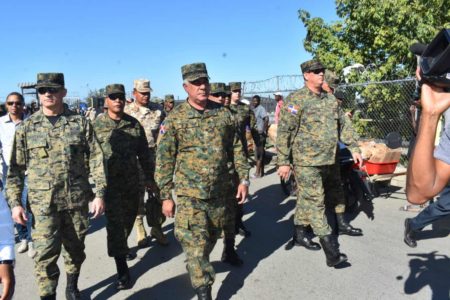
{"points": [[192, 160]]}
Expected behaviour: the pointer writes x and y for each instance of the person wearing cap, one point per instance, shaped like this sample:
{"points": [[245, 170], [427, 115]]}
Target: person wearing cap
{"points": [[198, 143], [217, 93], [227, 98], [311, 124], [125, 148], [58, 150], [150, 120], [245, 121], [168, 105], [279, 100], [330, 82], [422, 186]]}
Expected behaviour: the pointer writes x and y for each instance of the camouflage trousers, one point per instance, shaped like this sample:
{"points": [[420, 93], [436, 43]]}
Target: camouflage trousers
{"points": [[229, 224], [66, 228], [198, 224], [121, 208], [317, 187]]}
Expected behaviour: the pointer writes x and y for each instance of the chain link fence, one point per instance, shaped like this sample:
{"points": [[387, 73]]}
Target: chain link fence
{"points": [[379, 108]]}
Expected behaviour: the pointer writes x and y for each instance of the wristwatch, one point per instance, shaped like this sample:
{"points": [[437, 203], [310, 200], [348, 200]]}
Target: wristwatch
{"points": [[245, 182]]}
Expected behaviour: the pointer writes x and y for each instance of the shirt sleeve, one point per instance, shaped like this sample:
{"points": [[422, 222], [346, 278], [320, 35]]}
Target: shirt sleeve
{"points": [[96, 162], [288, 125], [145, 157], [16, 172], [348, 134], [166, 155]]}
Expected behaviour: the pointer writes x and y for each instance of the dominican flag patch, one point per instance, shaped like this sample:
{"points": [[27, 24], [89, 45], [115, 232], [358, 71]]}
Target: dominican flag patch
{"points": [[293, 109], [162, 128]]}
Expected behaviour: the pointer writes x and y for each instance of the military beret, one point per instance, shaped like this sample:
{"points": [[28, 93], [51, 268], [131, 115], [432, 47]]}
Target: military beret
{"points": [[115, 88], [192, 72], [235, 86], [169, 98], [311, 65], [55, 80], [217, 87]]}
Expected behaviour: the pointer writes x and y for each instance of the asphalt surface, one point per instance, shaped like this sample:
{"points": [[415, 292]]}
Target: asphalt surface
{"points": [[380, 265]]}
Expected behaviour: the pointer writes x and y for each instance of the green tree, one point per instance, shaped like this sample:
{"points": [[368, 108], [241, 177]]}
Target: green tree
{"points": [[375, 32]]}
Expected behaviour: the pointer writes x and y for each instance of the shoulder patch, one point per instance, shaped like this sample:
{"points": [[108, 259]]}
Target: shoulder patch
{"points": [[162, 128], [293, 109]]}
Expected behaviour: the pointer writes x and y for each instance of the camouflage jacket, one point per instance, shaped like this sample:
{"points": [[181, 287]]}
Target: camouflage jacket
{"points": [[123, 144], [310, 127], [200, 149], [243, 116], [58, 160], [149, 119]]}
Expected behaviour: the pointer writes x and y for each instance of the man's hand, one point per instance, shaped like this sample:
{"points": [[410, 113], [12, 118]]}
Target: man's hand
{"points": [[19, 215], [434, 100], [168, 208], [357, 158], [284, 172], [7, 280], [242, 193], [98, 207]]}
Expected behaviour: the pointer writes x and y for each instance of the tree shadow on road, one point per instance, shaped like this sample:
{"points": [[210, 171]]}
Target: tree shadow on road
{"points": [[155, 256], [429, 269], [270, 231], [96, 224]]}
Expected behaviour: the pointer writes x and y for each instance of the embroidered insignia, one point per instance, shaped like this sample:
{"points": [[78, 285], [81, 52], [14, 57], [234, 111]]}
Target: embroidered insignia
{"points": [[162, 128], [293, 109]]}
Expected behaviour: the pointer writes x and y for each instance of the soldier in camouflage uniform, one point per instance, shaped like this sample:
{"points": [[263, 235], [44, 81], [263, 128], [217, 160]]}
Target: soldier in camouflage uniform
{"points": [[227, 98], [311, 124], [58, 150], [329, 85], [217, 93], [245, 120], [124, 144], [199, 145], [169, 104], [150, 119]]}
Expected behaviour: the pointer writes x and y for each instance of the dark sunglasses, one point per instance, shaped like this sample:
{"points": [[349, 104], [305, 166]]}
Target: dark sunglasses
{"points": [[14, 103], [50, 90], [218, 94], [318, 71], [114, 97]]}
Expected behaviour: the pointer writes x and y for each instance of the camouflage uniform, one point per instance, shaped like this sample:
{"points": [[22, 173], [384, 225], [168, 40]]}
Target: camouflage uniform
{"points": [[58, 160], [308, 132], [167, 99], [150, 121], [123, 144], [198, 149]]}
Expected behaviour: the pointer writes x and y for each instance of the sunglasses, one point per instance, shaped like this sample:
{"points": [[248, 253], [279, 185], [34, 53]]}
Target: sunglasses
{"points": [[14, 103], [50, 90], [317, 71], [114, 97], [218, 94]]}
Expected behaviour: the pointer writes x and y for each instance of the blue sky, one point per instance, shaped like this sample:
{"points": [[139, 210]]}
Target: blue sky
{"points": [[98, 42]]}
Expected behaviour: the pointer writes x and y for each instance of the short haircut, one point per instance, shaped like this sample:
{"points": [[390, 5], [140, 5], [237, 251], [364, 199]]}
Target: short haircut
{"points": [[18, 95], [257, 97]]}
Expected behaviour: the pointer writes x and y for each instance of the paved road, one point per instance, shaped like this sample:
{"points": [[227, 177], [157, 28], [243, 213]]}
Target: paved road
{"points": [[380, 265]]}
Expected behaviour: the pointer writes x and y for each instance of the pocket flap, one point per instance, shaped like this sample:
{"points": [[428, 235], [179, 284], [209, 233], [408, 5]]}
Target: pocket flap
{"points": [[38, 184]]}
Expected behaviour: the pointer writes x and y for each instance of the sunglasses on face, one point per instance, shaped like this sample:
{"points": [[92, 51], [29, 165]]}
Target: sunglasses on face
{"points": [[318, 71], [218, 95], [236, 91], [114, 97], [50, 90], [14, 103]]}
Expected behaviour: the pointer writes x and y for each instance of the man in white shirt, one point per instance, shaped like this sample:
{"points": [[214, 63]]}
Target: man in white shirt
{"points": [[8, 124]]}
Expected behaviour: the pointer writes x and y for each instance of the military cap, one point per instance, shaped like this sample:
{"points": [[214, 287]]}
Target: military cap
{"points": [[142, 85], [169, 98], [235, 86], [331, 79], [54, 80], [311, 65], [217, 87], [192, 72], [115, 88], [227, 89]]}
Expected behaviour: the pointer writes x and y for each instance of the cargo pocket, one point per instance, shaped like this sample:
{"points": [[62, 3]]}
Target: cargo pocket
{"points": [[39, 195]]}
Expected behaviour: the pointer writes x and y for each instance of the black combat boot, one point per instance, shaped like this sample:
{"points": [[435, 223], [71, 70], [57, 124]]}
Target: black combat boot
{"points": [[49, 297], [408, 236], [72, 292], [301, 239], [331, 248], [123, 274], [229, 254], [346, 228], [204, 292]]}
